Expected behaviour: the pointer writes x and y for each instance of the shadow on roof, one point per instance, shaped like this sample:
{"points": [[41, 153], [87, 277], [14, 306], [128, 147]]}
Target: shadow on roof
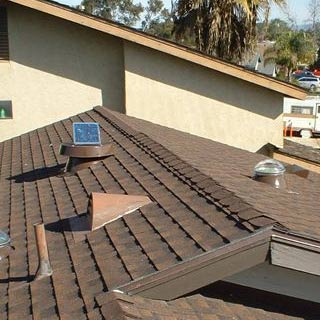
{"points": [[38, 174], [71, 224], [22, 280], [268, 301]]}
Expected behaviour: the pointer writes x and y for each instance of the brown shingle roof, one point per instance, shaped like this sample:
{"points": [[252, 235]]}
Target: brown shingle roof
{"points": [[185, 219], [191, 214], [232, 167], [197, 307], [300, 151]]}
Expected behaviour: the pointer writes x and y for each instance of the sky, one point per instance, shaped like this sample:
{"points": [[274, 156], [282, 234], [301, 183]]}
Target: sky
{"points": [[298, 8]]}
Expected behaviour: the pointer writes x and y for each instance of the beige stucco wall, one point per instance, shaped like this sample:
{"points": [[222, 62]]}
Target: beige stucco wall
{"points": [[57, 69], [182, 95]]}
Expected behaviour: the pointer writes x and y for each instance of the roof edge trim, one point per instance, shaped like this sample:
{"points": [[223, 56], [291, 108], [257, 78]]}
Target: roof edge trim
{"points": [[202, 270], [297, 239], [67, 13]]}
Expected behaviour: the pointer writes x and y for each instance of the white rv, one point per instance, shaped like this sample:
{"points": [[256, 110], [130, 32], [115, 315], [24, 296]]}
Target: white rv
{"points": [[302, 116]]}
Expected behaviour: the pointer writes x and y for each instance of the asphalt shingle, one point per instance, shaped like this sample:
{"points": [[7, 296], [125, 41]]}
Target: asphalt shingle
{"points": [[193, 211]]}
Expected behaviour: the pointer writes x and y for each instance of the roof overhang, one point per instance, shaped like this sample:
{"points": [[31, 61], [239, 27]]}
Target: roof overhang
{"points": [[141, 38], [204, 269], [269, 244]]}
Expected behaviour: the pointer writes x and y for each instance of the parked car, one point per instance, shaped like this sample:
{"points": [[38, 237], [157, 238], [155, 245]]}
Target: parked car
{"points": [[311, 83], [302, 73], [316, 73]]}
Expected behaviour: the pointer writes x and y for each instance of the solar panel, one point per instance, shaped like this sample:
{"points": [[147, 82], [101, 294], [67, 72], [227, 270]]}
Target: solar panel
{"points": [[86, 133]]}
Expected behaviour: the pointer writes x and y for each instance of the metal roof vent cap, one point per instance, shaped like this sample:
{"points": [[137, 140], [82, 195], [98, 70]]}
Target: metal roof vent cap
{"points": [[86, 148], [271, 171]]}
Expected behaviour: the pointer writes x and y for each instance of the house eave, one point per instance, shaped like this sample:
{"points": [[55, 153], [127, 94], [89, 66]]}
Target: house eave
{"points": [[300, 253], [204, 269], [170, 48]]}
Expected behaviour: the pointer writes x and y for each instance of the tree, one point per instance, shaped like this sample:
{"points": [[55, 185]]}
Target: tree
{"points": [[276, 27], [224, 28], [291, 48], [122, 11], [314, 11], [266, 8], [157, 20]]}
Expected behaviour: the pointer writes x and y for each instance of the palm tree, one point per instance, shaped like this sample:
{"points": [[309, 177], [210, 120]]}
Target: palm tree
{"points": [[223, 28]]}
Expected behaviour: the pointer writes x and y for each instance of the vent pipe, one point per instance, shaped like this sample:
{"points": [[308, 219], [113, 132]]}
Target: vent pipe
{"points": [[44, 267], [271, 172]]}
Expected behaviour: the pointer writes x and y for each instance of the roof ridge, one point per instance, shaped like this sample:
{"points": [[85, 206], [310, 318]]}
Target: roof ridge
{"points": [[204, 185]]}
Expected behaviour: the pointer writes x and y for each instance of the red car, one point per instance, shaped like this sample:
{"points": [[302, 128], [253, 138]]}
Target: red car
{"points": [[316, 72]]}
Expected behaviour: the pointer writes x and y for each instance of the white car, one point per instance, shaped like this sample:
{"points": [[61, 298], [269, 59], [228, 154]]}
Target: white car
{"points": [[311, 83]]}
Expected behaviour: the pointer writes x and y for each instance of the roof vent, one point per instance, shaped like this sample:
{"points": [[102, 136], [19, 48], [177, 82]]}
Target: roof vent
{"points": [[104, 208], [270, 171], [81, 157], [86, 148]]}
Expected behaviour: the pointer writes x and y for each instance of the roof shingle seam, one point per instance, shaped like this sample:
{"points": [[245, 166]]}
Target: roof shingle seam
{"points": [[126, 189]]}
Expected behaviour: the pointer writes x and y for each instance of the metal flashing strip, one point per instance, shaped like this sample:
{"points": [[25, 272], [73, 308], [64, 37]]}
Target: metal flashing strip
{"points": [[295, 242], [202, 270], [292, 236]]}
